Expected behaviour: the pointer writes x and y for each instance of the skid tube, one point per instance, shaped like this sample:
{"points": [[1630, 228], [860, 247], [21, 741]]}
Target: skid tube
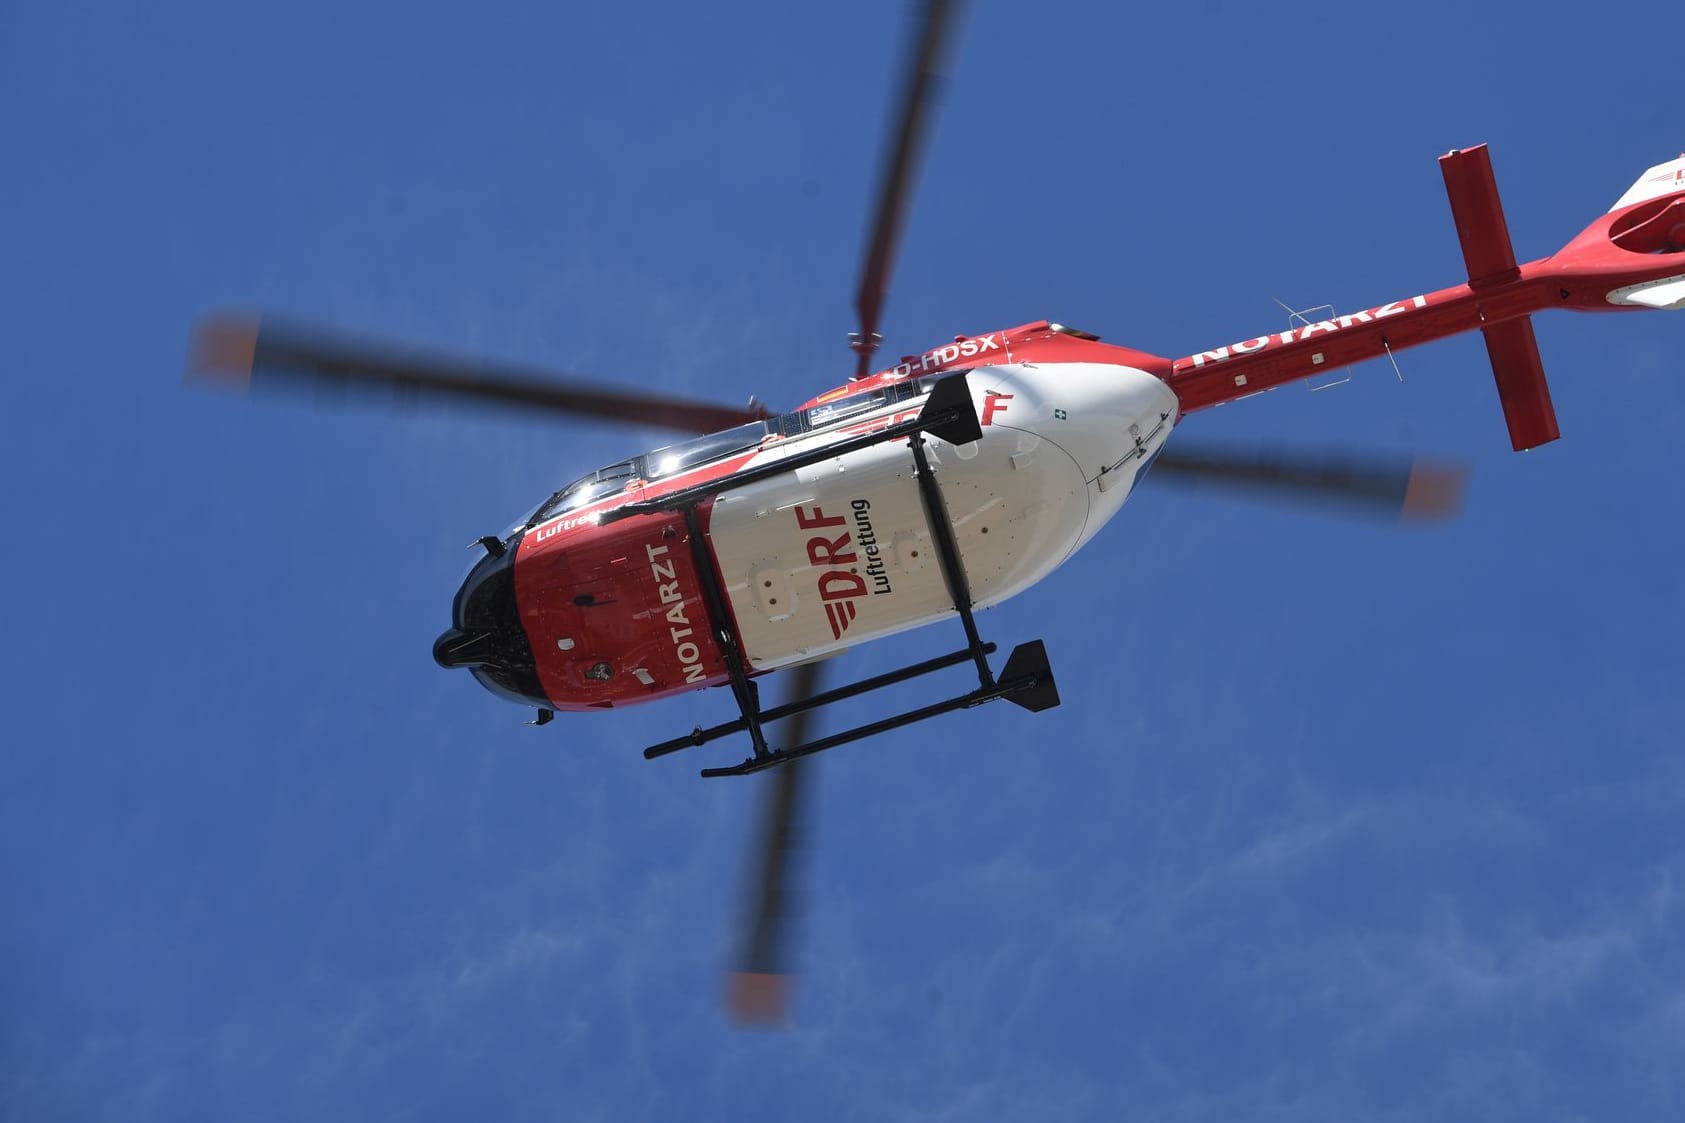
{"points": [[701, 736], [1026, 680]]}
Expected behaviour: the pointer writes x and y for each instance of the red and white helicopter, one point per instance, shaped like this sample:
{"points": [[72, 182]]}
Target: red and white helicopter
{"points": [[925, 491]]}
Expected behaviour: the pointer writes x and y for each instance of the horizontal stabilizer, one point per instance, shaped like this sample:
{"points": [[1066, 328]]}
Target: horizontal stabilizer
{"points": [[1484, 234], [1522, 389], [1479, 215]]}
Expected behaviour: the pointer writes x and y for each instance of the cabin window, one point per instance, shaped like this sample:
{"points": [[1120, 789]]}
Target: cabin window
{"points": [[587, 489], [673, 459], [832, 412]]}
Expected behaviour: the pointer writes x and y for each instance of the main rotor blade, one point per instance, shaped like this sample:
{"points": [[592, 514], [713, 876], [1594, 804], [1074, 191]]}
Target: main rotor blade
{"points": [[758, 990], [258, 353], [901, 160], [1403, 488]]}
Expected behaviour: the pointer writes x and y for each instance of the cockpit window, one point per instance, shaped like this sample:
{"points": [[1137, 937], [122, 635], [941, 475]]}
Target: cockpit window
{"points": [[586, 489], [664, 462]]}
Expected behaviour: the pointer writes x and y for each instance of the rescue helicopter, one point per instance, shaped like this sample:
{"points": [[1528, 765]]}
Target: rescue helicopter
{"points": [[918, 492]]}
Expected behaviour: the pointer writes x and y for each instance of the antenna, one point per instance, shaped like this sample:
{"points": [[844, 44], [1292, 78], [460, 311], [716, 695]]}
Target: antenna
{"points": [[1304, 318]]}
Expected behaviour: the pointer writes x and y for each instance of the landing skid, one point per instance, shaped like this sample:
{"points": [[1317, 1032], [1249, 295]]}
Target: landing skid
{"points": [[1026, 680]]}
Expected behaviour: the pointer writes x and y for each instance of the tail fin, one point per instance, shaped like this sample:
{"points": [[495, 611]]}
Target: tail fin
{"points": [[1516, 365], [1663, 179], [1651, 220], [1633, 256]]}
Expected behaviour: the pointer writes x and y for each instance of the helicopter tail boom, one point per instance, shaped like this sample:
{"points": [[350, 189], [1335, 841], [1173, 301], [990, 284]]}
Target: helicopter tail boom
{"points": [[1633, 257]]}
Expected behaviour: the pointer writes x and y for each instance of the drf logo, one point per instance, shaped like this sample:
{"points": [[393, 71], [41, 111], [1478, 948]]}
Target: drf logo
{"points": [[839, 585]]}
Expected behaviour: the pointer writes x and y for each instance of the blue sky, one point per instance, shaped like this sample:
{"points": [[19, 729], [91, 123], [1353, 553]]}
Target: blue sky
{"points": [[1337, 821]]}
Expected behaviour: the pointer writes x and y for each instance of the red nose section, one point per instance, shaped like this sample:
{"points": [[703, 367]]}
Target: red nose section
{"points": [[615, 613]]}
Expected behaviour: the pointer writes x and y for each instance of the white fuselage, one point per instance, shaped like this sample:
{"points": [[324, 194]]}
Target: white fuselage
{"points": [[847, 555]]}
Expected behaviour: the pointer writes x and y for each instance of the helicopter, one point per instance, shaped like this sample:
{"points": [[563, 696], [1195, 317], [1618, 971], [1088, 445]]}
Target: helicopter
{"points": [[921, 492]]}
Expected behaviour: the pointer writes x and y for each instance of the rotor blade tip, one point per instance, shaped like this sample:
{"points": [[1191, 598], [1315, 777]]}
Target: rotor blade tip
{"points": [[1435, 491], [224, 349], [759, 999]]}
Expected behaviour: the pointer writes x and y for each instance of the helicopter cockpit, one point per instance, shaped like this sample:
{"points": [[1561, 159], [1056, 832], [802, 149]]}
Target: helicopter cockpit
{"points": [[486, 633]]}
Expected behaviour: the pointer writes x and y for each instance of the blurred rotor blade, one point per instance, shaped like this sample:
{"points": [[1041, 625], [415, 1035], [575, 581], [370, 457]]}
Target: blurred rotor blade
{"points": [[1399, 487], [758, 991], [253, 352], [901, 160]]}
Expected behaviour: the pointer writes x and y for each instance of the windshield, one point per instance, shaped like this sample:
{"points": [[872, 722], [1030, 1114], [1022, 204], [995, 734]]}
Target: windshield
{"points": [[586, 489]]}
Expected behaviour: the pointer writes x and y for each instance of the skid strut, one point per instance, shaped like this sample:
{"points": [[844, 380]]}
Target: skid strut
{"points": [[1026, 679], [748, 695]]}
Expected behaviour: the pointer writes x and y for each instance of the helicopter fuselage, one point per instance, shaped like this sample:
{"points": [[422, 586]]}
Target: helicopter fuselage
{"points": [[834, 554]]}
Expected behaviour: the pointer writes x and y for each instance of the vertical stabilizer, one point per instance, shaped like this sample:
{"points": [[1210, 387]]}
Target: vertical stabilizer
{"points": [[1663, 179]]}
